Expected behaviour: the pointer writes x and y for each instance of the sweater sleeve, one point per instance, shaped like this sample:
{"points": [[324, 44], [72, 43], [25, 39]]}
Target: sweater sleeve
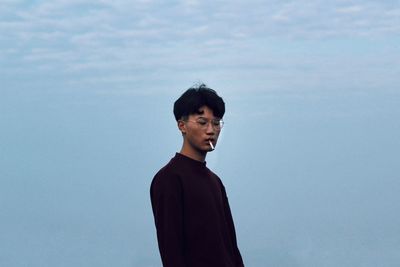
{"points": [[228, 214], [166, 200]]}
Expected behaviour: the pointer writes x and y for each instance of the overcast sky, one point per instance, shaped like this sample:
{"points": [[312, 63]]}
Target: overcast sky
{"points": [[309, 153]]}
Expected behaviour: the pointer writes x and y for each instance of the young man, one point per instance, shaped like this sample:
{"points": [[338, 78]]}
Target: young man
{"points": [[191, 210]]}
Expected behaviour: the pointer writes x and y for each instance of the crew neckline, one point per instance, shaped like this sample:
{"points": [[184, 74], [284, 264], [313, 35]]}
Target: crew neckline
{"points": [[189, 159]]}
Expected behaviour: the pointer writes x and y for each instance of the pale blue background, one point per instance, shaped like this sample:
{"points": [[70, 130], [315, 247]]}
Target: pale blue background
{"points": [[309, 154]]}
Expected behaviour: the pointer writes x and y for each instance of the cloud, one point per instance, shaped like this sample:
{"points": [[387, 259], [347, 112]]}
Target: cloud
{"points": [[350, 9], [113, 38]]}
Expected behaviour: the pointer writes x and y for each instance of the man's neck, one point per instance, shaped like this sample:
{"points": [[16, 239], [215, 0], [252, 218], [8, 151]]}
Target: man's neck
{"points": [[196, 155]]}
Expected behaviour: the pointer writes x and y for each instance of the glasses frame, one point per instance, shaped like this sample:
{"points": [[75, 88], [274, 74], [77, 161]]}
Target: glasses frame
{"points": [[205, 126]]}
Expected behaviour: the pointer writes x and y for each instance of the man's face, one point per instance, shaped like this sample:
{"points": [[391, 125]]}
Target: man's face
{"points": [[200, 129]]}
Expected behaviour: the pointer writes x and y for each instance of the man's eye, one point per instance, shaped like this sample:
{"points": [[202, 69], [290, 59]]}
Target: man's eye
{"points": [[201, 122], [216, 123]]}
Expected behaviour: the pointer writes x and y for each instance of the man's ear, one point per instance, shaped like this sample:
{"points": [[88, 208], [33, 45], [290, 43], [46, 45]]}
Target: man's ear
{"points": [[182, 126]]}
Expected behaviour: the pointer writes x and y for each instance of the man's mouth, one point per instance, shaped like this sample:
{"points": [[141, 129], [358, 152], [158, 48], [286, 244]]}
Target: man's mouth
{"points": [[210, 142]]}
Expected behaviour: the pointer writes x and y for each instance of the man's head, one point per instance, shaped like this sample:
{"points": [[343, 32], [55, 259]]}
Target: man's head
{"points": [[194, 98], [199, 113]]}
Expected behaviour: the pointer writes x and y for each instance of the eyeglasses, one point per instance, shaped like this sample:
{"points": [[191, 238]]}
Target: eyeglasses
{"points": [[217, 124]]}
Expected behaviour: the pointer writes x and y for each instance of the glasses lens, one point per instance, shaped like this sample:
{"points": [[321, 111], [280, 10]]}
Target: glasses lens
{"points": [[216, 124]]}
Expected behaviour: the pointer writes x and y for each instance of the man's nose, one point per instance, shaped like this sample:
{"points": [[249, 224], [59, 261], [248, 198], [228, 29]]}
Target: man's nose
{"points": [[210, 129]]}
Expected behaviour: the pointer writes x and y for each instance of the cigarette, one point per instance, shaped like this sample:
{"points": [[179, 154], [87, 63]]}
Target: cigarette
{"points": [[212, 146]]}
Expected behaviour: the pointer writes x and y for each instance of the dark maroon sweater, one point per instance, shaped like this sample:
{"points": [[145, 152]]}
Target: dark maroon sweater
{"points": [[192, 216]]}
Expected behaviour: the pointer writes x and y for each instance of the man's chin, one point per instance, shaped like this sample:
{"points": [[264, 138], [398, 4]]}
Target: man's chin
{"points": [[204, 150]]}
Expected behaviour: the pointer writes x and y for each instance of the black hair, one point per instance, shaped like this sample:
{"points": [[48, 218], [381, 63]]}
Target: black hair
{"points": [[194, 98]]}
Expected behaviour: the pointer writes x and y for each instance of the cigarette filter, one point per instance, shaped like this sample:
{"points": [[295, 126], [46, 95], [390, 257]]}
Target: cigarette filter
{"points": [[212, 146]]}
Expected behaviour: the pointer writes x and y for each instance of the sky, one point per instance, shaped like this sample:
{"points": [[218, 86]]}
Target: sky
{"points": [[309, 153]]}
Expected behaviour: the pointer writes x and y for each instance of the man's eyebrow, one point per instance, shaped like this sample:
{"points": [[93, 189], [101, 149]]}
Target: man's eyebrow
{"points": [[213, 118]]}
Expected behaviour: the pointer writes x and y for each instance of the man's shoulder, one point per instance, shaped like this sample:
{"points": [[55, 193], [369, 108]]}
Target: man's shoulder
{"points": [[166, 175], [169, 169], [166, 171], [214, 175]]}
